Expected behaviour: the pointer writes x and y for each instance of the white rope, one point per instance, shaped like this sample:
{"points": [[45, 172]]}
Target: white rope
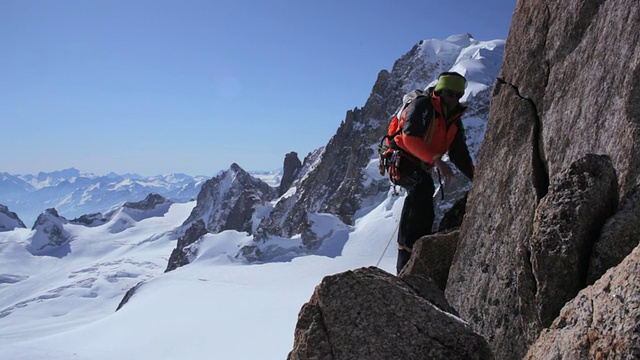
{"points": [[388, 242]]}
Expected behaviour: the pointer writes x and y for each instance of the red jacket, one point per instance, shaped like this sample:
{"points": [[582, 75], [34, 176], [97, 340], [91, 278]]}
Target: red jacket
{"points": [[426, 134]]}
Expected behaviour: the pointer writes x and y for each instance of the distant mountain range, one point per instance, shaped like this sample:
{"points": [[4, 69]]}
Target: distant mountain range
{"points": [[74, 193]]}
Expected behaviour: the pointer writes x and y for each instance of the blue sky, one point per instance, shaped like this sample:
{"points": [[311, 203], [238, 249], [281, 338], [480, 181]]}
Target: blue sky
{"points": [[157, 87]]}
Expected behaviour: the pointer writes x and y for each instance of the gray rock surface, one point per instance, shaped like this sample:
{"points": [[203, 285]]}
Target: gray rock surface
{"points": [[432, 256], [290, 170], [619, 236], [602, 322], [149, 203], [370, 314], [569, 86], [566, 225], [184, 248]]}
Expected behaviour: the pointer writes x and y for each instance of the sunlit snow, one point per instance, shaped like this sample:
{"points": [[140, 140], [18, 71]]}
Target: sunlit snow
{"points": [[214, 308]]}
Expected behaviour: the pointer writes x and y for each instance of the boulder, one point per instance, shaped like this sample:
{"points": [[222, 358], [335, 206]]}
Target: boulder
{"points": [[370, 314], [566, 225], [432, 256]]}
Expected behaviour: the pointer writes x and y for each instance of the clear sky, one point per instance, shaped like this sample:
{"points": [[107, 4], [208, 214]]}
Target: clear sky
{"points": [[157, 87]]}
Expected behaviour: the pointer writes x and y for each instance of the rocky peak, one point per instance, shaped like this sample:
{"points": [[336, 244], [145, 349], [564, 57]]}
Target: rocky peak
{"points": [[9, 220], [290, 169], [228, 201], [225, 202], [235, 168], [50, 237]]}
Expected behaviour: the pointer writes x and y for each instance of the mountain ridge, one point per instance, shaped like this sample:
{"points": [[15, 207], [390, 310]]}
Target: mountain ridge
{"points": [[74, 193]]}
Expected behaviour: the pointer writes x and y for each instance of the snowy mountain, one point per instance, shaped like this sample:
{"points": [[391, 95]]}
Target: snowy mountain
{"points": [[73, 193], [49, 235], [229, 273]]}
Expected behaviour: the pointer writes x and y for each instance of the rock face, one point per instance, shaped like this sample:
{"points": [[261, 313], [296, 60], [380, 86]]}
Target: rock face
{"points": [[619, 236], [9, 220], [452, 218], [50, 237], [566, 225], [370, 314], [560, 96], [602, 322]]}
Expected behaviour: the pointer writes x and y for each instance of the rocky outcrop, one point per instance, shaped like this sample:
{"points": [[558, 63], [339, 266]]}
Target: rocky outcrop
{"points": [[151, 202], [566, 225], [9, 220], [184, 248], [131, 213], [290, 170], [602, 322], [370, 314], [90, 220], [50, 237], [226, 202], [560, 96], [431, 256], [619, 236], [128, 295]]}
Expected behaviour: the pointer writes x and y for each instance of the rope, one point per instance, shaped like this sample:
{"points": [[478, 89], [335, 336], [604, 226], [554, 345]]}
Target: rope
{"points": [[388, 242]]}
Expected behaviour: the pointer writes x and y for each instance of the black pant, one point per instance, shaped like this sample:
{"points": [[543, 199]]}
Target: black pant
{"points": [[416, 219]]}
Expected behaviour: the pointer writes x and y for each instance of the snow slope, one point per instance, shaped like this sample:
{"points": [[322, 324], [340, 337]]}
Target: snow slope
{"points": [[216, 307]]}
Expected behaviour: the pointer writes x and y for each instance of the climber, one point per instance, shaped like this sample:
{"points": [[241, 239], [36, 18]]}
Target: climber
{"points": [[430, 126]]}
